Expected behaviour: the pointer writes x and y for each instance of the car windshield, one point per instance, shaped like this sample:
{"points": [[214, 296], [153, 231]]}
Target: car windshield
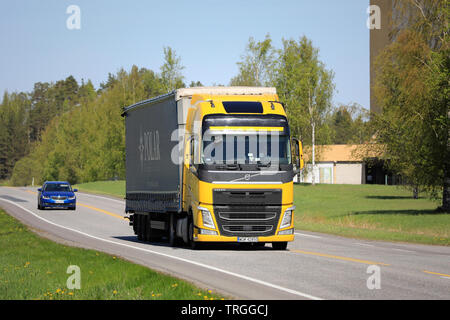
{"points": [[246, 148], [64, 187]]}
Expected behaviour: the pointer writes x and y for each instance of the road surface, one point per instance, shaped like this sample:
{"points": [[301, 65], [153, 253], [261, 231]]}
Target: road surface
{"points": [[315, 266]]}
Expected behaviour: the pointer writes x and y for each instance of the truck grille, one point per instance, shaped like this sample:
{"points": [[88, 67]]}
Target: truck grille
{"points": [[247, 216], [247, 229], [247, 212]]}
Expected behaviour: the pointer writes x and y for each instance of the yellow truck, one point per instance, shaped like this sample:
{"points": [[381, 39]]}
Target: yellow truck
{"points": [[211, 164]]}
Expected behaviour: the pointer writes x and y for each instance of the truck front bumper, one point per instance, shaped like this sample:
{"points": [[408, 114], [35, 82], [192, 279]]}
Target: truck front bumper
{"points": [[218, 238]]}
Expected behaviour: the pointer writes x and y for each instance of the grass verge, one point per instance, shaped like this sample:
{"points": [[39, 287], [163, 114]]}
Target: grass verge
{"points": [[35, 268], [372, 212], [112, 188]]}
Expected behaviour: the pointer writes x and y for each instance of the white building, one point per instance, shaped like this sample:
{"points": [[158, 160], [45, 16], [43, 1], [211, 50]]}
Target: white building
{"points": [[336, 164]]}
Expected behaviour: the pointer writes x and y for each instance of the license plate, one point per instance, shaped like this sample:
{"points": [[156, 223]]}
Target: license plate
{"points": [[247, 239], [59, 201]]}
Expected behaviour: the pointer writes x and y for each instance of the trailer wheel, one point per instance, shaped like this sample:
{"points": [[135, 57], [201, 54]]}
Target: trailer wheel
{"points": [[139, 226], [135, 223], [147, 229]]}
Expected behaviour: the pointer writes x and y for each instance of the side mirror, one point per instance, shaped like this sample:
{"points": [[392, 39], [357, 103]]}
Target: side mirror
{"points": [[40, 189], [75, 190], [298, 154]]}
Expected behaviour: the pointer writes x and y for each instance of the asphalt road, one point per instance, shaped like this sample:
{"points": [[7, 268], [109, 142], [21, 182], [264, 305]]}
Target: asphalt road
{"points": [[315, 266]]}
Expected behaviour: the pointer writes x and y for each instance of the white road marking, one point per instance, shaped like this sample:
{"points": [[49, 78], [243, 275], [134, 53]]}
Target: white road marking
{"points": [[364, 244], [403, 250], [307, 235], [298, 293]]}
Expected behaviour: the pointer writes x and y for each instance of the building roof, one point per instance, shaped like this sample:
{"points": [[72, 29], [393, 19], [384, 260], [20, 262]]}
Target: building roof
{"points": [[343, 152]]}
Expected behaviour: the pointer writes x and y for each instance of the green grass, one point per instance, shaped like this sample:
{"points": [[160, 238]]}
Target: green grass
{"points": [[112, 188], [360, 211], [35, 268], [371, 212]]}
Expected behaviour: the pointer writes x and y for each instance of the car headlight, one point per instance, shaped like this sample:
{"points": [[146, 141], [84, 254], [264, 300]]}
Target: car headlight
{"points": [[45, 198], [207, 218], [287, 218], [72, 198]]}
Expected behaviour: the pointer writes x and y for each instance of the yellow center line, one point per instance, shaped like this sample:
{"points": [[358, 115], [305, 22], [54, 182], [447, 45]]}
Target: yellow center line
{"points": [[340, 258], [437, 274], [92, 208], [101, 210]]}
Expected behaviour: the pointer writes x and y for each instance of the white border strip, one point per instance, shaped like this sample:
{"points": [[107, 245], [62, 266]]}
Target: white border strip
{"points": [[294, 292]]}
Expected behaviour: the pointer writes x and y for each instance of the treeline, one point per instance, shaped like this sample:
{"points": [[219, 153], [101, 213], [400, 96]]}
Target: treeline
{"points": [[23, 116], [74, 132], [66, 131]]}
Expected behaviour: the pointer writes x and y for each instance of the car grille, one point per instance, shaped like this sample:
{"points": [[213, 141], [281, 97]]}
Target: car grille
{"points": [[59, 198]]}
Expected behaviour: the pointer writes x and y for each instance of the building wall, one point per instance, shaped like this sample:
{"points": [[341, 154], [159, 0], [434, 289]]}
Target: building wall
{"points": [[349, 173], [334, 173], [324, 173]]}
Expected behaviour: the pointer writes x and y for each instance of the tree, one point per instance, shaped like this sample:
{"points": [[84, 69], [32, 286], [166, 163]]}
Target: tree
{"points": [[14, 132], [342, 125], [306, 87], [350, 125], [171, 70], [256, 66], [412, 86]]}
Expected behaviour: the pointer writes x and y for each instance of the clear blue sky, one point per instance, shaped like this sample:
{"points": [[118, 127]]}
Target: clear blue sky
{"points": [[209, 36]]}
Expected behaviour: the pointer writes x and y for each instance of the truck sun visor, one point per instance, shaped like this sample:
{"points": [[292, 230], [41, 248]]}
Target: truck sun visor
{"points": [[243, 107]]}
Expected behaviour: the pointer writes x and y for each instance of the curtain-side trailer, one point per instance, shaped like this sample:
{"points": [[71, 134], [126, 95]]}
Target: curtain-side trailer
{"points": [[211, 164]]}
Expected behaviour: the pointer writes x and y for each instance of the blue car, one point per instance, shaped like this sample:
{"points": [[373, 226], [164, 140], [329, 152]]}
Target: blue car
{"points": [[57, 194]]}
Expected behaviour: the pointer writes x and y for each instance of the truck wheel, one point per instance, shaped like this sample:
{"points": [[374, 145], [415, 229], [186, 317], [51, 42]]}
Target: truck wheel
{"points": [[279, 245], [135, 223], [194, 245], [146, 229], [172, 232]]}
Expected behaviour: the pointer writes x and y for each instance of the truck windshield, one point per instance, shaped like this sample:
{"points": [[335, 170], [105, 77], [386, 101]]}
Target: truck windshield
{"points": [[259, 147]]}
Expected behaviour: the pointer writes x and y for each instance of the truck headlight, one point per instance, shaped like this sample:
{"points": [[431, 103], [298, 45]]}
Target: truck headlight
{"points": [[207, 218], [287, 218]]}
